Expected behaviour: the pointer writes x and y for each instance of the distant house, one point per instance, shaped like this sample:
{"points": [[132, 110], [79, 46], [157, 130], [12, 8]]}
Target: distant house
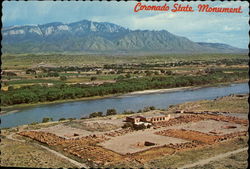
{"points": [[154, 118]]}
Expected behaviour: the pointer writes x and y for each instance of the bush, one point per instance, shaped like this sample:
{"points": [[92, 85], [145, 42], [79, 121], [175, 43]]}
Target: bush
{"points": [[93, 78], [156, 73], [168, 72], [30, 71], [139, 127], [128, 112], [128, 75], [98, 72], [111, 112], [61, 119], [96, 114], [70, 119], [53, 74], [46, 119], [152, 108], [10, 88], [128, 125], [63, 78], [33, 123], [140, 111], [120, 77]]}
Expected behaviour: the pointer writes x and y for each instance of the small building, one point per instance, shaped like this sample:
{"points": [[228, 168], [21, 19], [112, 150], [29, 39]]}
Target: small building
{"points": [[148, 118], [133, 119], [155, 118]]}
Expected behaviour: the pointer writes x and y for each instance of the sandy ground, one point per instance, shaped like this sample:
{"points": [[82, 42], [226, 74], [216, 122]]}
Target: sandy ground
{"points": [[157, 91], [77, 127], [207, 126], [113, 120], [67, 132], [133, 142], [239, 115]]}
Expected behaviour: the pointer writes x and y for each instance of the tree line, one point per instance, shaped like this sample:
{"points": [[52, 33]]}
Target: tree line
{"points": [[37, 93]]}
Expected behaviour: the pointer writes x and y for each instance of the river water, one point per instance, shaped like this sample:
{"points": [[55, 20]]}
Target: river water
{"points": [[80, 109]]}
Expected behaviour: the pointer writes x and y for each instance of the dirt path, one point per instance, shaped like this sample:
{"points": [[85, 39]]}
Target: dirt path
{"points": [[215, 158], [79, 165]]}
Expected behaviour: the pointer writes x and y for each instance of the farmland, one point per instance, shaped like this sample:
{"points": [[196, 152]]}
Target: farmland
{"points": [[93, 75]]}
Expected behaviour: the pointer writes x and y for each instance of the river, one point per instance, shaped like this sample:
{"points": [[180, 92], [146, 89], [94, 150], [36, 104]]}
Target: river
{"points": [[80, 109]]}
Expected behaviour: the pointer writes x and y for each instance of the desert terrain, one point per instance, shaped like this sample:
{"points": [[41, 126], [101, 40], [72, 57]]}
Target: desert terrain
{"points": [[204, 136]]}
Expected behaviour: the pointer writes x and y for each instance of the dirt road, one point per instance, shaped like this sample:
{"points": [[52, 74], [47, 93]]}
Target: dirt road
{"points": [[79, 165], [215, 158]]}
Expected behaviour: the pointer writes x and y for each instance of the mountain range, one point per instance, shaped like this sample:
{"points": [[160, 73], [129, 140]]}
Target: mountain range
{"points": [[101, 37]]}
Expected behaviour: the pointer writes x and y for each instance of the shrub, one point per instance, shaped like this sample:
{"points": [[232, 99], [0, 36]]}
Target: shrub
{"points": [[10, 88], [128, 75], [70, 119], [63, 78], [98, 72], [128, 125], [139, 127], [53, 74], [139, 111], [168, 72], [93, 78], [111, 112], [61, 119], [33, 123], [46, 119], [96, 114], [30, 71], [128, 112], [121, 77]]}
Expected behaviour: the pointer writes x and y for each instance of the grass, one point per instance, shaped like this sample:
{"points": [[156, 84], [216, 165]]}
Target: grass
{"points": [[187, 157], [27, 81], [28, 60], [238, 161], [230, 104], [18, 154]]}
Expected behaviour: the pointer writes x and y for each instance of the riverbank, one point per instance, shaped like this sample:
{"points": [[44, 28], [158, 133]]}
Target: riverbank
{"points": [[10, 109]]}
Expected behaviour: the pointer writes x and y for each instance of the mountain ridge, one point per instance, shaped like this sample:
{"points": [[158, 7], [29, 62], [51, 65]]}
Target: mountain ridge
{"points": [[88, 36]]}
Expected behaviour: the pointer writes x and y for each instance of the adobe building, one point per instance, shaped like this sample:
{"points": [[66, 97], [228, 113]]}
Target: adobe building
{"points": [[154, 118]]}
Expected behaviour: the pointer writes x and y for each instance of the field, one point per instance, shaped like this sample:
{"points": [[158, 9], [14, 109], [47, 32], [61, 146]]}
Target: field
{"points": [[23, 60], [47, 73]]}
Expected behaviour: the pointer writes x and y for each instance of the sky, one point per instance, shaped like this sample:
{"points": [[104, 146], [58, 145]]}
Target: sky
{"points": [[229, 28]]}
